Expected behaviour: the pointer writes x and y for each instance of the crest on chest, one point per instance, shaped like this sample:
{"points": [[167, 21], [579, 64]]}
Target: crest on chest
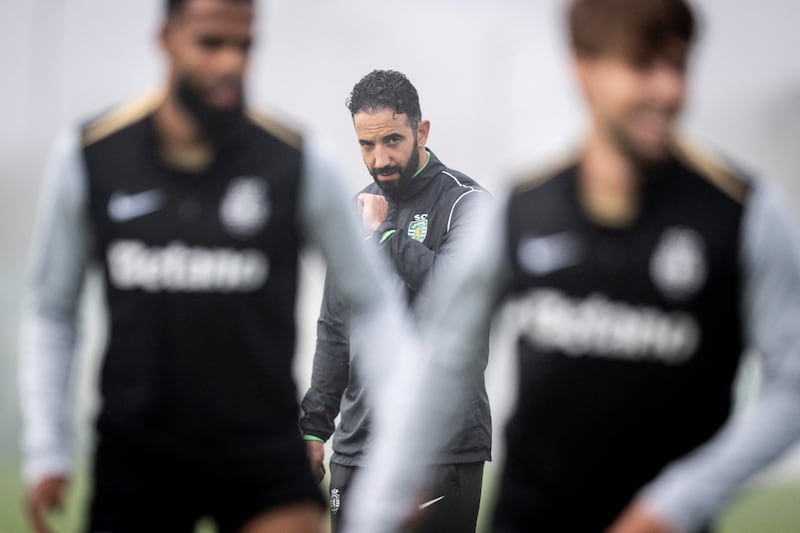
{"points": [[245, 208], [418, 227], [678, 265]]}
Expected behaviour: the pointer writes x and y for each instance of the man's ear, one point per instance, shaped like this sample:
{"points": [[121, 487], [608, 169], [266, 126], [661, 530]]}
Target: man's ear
{"points": [[165, 36], [582, 67], [423, 128]]}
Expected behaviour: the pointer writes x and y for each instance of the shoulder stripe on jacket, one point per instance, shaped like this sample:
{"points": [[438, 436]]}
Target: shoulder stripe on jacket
{"points": [[470, 190]]}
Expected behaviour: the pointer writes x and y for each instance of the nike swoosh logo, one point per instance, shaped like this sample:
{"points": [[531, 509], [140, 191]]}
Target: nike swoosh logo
{"points": [[123, 207], [431, 502], [543, 254]]}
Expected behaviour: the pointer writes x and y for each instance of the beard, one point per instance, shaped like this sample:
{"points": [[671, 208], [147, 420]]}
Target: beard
{"points": [[652, 166], [640, 154], [215, 123], [641, 157], [395, 188]]}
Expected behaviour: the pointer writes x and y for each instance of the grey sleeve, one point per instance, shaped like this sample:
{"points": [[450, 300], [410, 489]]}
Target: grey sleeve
{"points": [[419, 266], [331, 369], [690, 491], [328, 220], [48, 337], [379, 326], [422, 398]]}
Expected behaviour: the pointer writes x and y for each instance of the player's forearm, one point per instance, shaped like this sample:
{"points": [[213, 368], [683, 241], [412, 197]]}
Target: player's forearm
{"points": [[44, 370], [48, 336], [693, 489], [689, 493]]}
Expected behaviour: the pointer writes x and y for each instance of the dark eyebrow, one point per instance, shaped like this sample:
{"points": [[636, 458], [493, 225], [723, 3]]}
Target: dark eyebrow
{"points": [[213, 40], [210, 40]]}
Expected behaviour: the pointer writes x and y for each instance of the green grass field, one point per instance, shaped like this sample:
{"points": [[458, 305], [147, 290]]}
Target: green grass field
{"points": [[773, 508]]}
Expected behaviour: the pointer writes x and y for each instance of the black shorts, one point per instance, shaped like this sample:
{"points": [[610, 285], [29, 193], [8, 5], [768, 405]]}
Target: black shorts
{"points": [[136, 488], [449, 504]]}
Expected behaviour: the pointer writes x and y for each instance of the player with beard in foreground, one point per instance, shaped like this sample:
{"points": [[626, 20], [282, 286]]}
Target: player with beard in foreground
{"points": [[640, 272], [196, 211]]}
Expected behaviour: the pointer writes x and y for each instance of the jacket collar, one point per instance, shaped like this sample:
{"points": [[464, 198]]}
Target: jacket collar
{"points": [[421, 180]]}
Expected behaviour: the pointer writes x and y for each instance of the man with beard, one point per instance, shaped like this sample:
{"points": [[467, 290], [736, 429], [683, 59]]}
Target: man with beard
{"points": [[639, 272], [196, 212], [420, 214]]}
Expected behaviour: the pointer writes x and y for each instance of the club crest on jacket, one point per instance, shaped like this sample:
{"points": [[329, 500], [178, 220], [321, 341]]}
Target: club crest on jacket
{"points": [[418, 227]]}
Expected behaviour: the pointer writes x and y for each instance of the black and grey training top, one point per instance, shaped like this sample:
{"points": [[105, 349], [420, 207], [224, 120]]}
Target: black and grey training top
{"points": [[629, 340], [200, 273], [628, 343], [426, 234]]}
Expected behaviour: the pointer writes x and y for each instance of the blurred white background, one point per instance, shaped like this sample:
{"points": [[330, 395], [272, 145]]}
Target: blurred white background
{"points": [[493, 78]]}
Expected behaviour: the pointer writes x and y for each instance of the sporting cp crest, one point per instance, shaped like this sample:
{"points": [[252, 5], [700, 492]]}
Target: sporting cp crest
{"points": [[678, 265], [335, 501], [418, 227], [245, 207]]}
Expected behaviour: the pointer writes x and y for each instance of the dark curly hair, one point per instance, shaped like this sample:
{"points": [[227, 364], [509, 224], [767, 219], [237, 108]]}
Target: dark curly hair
{"points": [[385, 89]]}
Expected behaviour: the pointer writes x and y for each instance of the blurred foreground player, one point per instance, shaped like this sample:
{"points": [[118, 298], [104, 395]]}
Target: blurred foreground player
{"points": [[640, 272], [196, 211]]}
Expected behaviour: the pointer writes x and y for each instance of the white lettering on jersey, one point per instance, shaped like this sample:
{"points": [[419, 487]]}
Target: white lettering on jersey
{"points": [[177, 267], [599, 327]]}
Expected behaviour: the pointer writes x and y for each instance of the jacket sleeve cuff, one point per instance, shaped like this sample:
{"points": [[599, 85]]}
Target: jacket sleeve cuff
{"points": [[54, 464], [384, 231], [313, 438]]}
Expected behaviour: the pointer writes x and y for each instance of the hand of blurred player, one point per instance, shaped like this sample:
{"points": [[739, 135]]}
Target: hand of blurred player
{"points": [[45, 496], [373, 209], [316, 458], [638, 519]]}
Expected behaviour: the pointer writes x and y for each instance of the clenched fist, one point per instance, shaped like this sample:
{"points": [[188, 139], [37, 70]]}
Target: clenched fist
{"points": [[373, 209]]}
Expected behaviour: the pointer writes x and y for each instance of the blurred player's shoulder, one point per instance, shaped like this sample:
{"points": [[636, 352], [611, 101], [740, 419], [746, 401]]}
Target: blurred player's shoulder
{"points": [[120, 116], [278, 127], [720, 172], [545, 174]]}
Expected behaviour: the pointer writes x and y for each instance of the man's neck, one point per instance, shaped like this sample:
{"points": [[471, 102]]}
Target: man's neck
{"points": [[608, 183], [181, 142]]}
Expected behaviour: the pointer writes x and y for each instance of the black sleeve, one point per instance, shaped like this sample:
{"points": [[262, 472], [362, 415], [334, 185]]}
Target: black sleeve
{"points": [[331, 367]]}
